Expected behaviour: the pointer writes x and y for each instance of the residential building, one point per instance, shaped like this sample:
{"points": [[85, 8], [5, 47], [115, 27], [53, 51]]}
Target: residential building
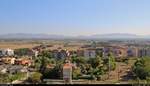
{"points": [[143, 52], [120, 52], [90, 53], [59, 54], [67, 72], [132, 52], [80, 53], [6, 52]]}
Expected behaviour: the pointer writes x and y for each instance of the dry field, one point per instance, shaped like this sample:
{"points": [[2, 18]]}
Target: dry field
{"points": [[17, 45], [74, 45]]}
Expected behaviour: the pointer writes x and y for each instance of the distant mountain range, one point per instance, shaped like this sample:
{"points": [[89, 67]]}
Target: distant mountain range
{"points": [[47, 36], [31, 36]]}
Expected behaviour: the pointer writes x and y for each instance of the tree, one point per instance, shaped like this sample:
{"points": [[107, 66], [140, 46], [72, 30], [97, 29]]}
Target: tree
{"points": [[95, 62], [42, 61], [46, 53], [56, 72], [97, 67], [141, 68], [110, 62], [93, 44], [79, 60], [22, 51], [99, 53], [89, 69]]}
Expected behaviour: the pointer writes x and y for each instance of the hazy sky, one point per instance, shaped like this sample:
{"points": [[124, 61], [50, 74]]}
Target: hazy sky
{"points": [[75, 17]]}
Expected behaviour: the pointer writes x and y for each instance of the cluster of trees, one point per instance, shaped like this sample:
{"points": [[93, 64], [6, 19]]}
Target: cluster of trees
{"points": [[92, 68], [22, 51], [95, 67], [43, 60], [141, 68]]}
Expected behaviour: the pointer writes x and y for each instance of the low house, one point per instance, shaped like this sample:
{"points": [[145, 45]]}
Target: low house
{"points": [[24, 70], [14, 69], [24, 62], [3, 69], [9, 52], [8, 60], [12, 60], [6, 52], [35, 53]]}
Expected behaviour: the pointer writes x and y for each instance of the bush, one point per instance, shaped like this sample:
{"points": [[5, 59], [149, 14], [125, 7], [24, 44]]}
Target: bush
{"points": [[4, 78], [17, 76], [76, 73], [35, 77]]}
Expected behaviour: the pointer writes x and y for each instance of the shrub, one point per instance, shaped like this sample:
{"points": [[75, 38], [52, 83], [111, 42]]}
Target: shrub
{"points": [[141, 68], [35, 77]]}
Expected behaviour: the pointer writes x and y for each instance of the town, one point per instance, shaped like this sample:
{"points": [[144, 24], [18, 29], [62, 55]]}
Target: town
{"points": [[45, 42], [87, 61]]}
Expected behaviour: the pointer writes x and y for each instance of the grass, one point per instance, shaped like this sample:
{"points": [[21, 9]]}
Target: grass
{"points": [[17, 76]]}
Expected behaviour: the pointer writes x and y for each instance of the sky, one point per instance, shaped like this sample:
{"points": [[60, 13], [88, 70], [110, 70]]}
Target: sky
{"points": [[75, 17]]}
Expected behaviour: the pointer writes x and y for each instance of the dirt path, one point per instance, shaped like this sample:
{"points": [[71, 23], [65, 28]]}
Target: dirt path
{"points": [[122, 72]]}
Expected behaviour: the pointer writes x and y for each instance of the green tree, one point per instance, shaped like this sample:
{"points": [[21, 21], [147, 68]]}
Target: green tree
{"points": [[79, 60], [99, 53], [95, 62], [110, 62], [44, 59], [46, 53], [56, 72], [22, 51], [141, 68], [41, 63], [93, 44], [97, 67]]}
